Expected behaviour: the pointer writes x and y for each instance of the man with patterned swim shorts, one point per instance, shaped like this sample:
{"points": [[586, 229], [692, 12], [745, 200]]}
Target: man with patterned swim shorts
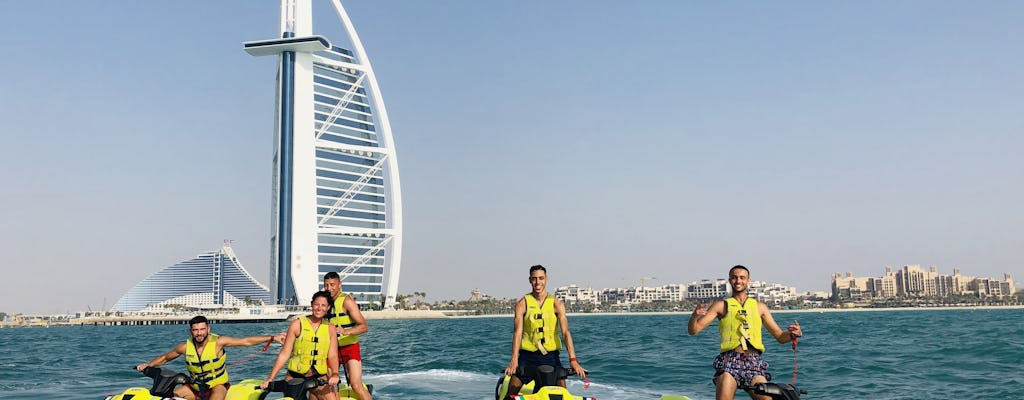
{"points": [[740, 318]]}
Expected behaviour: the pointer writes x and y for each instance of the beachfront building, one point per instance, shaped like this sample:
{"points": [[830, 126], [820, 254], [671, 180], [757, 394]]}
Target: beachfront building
{"points": [[705, 290], [913, 281], [210, 280], [708, 289], [772, 293], [573, 294], [336, 194], [630, 296]]}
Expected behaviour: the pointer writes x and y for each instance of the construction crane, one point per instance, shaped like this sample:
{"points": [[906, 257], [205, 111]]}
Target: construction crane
{"points": [[645, 279]]}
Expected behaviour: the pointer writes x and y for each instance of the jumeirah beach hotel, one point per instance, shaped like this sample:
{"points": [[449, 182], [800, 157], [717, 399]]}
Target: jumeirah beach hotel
{"points": [[211, 278]]}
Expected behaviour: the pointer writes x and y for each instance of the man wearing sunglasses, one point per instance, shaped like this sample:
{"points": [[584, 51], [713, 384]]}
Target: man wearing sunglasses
{"points": [[739, 364]]}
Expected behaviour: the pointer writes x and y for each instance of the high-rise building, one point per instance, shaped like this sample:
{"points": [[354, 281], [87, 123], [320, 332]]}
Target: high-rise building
{"points": [[336, 196], [213, 278]]}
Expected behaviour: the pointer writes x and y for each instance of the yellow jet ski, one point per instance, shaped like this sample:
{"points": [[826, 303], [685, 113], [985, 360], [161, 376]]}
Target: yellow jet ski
{"points": [[544, 377], [776, 391], [249, 389], [164, 382]]}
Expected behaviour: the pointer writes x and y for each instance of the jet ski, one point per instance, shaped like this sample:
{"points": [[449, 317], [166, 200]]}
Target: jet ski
{"points": [[164, 382], [777, 391], [249, 389], [545, 377]]}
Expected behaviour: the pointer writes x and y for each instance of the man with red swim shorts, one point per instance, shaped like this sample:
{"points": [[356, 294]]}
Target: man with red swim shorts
{"points": [[349, 323]]}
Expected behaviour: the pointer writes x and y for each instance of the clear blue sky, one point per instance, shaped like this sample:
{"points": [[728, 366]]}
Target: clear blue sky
{"points": [[606, 140]]}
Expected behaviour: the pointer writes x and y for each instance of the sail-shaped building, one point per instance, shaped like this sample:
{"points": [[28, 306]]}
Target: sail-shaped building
{"points": [[336, 195]]}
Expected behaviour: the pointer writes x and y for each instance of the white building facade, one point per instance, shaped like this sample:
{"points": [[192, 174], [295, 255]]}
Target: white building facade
{"points": [[336, 193]]}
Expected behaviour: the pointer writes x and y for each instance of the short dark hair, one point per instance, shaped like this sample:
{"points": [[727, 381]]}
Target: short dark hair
{"points": [[323, 293], [739, 267], [332, 275], [198, 319], [538, 267]]}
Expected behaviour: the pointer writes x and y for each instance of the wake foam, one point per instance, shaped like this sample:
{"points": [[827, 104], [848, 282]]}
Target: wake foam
{"points": [[458, 384]]}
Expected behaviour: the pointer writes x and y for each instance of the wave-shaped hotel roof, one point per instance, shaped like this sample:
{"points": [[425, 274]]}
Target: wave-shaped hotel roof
{"points": [[211, 278]]}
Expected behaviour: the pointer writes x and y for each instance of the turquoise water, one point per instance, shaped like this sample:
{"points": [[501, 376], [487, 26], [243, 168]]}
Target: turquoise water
{"points": [[918, 354]]}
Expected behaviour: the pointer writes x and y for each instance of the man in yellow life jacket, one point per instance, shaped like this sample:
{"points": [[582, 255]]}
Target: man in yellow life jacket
{"points": [[535, 341], [205, 359], [740, 318], [344, 314]]}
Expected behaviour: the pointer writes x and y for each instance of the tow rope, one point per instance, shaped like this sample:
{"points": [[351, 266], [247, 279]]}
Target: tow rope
{"points": [[253, 355], [795, 339]]}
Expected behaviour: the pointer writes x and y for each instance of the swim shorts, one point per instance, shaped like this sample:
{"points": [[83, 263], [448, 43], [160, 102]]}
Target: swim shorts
{"points": [[296, 375], [530, 360], [349, 352], [535, 358], [206, 392], [742, 366]]}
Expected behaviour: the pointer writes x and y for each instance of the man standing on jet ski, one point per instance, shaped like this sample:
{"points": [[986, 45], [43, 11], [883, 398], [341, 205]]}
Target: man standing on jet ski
{"points": [[344, 314], [205, 359], [740, 318], [535, 340]]}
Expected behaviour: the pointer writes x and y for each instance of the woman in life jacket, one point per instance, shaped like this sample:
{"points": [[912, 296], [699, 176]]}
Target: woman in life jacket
{"points": [[311, 350]]}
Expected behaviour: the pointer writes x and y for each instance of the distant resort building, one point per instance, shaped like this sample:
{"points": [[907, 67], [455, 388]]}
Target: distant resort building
{"points": [[211, 279], [573, 294], [705, 290], [336, 193], [708, 289], [912, 281]]}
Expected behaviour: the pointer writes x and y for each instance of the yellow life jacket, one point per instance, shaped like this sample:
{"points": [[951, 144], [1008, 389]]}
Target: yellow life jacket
{"points": [[207, 369], [540, 325], [337, 316], [310, 348], [741, 325]]}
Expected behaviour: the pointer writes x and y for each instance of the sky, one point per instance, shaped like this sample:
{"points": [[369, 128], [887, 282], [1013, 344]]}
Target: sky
{"points": [[608, 141]]}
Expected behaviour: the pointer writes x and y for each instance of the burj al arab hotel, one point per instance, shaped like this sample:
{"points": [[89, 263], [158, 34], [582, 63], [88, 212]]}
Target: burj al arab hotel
{"points": [[337, 203]]}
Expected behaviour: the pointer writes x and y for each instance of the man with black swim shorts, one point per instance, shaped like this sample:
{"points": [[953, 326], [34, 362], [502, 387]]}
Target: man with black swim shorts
{"points": [[539, 319]]}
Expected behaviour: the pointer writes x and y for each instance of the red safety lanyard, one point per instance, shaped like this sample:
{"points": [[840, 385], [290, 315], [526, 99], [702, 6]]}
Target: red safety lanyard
{"points": [[794, 359]]}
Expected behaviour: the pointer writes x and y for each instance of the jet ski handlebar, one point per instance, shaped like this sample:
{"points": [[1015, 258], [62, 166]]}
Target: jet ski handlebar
{"points": [[778, 391], [295, 389], [165, 380], [545, 375]]}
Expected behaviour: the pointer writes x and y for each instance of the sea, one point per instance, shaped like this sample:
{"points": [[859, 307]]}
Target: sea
{"points": [[896, 354]]}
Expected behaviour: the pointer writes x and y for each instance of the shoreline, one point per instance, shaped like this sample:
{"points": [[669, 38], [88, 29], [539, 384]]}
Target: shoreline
{"points": [[446, 314], [780, 311]]}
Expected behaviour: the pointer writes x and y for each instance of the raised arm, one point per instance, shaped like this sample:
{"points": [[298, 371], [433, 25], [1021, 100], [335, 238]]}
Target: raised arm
{"points": [[517, 336], [227, 341], [286, 351], [792, 331], [563, 326], [701, 317], [163, 358]]}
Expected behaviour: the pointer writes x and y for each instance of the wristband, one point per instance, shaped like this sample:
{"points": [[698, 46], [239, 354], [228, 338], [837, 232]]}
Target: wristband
{"points": [[571, 359]]}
